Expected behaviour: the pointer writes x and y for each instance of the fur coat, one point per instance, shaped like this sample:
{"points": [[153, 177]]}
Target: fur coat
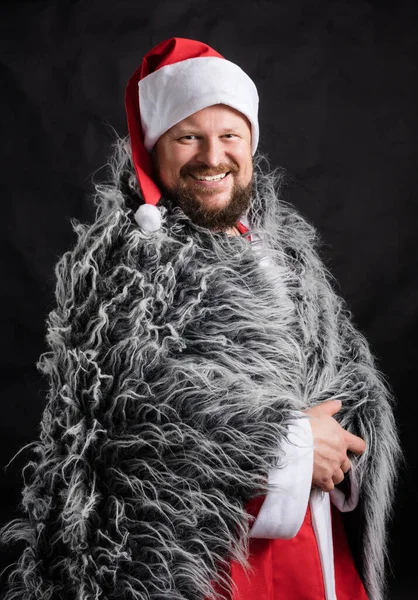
{"points": [[176, 361]]}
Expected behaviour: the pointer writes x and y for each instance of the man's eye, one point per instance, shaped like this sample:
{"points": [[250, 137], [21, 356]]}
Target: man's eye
{"points": [[190, 137], [230, 135]]}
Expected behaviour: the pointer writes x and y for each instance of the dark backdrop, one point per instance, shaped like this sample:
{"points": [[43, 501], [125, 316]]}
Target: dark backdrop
{"points": [[339, 95]]}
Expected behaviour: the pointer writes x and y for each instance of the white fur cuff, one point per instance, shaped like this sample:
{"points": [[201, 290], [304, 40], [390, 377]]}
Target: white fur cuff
{"points": [[284, 507]]}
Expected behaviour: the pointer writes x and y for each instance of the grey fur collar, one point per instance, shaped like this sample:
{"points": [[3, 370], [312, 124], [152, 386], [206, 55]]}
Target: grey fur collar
{"points": [[176, 360]]}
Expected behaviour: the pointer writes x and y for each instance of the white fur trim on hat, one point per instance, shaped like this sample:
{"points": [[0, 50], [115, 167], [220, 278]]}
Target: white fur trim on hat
{"points": [[148, 217], [177, 91]]}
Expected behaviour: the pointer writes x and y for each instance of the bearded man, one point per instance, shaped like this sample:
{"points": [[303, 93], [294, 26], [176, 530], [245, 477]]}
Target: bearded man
{"points": [[213, 414]]}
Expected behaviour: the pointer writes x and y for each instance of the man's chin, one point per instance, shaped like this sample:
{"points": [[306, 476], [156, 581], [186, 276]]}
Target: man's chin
{"points": [[220, 210], [212, 200]]}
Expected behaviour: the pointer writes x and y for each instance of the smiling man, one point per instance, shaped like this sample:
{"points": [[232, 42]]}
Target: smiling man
{"points": [[204, 163], [213, 416]]}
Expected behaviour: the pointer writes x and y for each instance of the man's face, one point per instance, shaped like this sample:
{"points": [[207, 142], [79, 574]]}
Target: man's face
{"points": [[205, 164]]}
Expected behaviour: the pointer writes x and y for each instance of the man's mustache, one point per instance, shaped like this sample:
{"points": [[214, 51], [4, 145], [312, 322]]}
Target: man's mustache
{"points": [[208, 171]]}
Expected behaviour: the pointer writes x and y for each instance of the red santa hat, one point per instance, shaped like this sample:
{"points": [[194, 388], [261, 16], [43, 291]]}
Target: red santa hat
{"points": [[177, 78]]}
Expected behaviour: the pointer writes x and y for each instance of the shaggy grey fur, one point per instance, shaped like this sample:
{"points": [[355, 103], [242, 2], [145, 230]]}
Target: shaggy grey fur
{"points": [[176, 361]]}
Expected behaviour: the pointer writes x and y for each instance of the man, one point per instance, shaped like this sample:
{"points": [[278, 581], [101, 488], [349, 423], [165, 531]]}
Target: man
{"points": [[210, 399]]}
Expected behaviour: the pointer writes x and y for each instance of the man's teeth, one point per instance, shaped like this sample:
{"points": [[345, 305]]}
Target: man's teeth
{"points": [[210, 178]]}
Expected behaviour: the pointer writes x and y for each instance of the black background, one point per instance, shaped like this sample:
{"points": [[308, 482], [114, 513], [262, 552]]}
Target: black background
{"points": [[338, 86]]}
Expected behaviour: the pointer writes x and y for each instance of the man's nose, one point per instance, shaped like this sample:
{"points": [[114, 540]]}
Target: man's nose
{"points": [[211, 152]]}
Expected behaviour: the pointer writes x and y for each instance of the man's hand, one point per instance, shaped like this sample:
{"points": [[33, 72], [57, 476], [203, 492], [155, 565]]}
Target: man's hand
{"points": [[331, 443]]}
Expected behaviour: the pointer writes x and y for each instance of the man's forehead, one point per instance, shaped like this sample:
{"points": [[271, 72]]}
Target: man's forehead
{"points": [[222, 115]]}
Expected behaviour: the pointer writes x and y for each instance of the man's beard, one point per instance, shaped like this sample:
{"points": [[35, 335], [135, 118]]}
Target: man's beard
{"points": [[213, 218]]}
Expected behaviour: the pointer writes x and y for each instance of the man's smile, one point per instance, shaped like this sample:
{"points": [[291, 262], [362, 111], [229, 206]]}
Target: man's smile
{"points": [[210, 181], [209, 177]]}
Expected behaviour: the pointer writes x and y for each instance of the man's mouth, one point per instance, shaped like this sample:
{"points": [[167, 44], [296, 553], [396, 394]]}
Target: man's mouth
{"points": [[210, 177]]}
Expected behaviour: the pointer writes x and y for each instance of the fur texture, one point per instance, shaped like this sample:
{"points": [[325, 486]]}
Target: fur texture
{"points": [[176, 361]]}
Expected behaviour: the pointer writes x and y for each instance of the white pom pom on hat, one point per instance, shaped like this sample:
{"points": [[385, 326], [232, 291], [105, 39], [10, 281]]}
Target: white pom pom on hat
{"points": [[177, 78], [148, 217]]}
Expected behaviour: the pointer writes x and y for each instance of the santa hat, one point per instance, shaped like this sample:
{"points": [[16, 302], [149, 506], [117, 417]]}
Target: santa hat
{"points": [[177, 78]]}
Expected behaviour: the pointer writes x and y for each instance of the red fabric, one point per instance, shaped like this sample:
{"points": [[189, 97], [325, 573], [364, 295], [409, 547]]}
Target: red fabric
{"points": [[242, 228], [291, 569], [281, 569], [168, 52], [172, 51]]}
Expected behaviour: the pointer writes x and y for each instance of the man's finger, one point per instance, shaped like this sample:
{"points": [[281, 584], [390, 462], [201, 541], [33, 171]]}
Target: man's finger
{"points": [[346, 465], [331, 407], [328, 407], [338, 477], [326, 486], [355, 443]]}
